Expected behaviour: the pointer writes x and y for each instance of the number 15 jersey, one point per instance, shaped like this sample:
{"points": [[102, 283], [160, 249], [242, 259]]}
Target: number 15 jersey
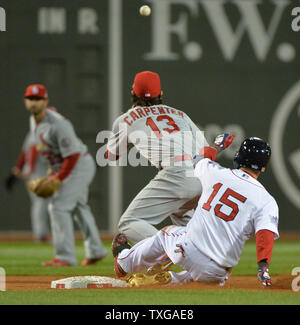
{"points": [[159, 132], [233, 207]]}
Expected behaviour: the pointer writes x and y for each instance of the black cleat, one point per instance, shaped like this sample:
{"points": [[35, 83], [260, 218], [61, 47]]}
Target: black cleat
{"points": [[119, 243]]}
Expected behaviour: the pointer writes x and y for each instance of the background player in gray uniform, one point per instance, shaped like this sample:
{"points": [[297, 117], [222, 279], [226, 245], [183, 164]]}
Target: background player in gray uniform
{"points": [[29, 166], [168, 138], [71, 163]]}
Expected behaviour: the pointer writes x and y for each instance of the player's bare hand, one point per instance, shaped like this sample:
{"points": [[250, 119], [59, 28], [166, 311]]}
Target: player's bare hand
{"points": [[49, 180], [16, 171], [264, 277], [50, 172], [223, 141]]}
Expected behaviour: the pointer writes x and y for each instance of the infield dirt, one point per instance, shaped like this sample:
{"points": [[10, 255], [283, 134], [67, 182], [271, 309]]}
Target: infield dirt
{"points": [[280, 283]]}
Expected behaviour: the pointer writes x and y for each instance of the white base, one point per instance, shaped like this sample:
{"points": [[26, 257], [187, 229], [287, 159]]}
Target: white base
{"points": [[87, 282]]}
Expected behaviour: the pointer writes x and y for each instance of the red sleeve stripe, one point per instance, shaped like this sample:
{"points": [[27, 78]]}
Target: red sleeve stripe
{"points": [[32, 158], [67, 166], [21, 160]]}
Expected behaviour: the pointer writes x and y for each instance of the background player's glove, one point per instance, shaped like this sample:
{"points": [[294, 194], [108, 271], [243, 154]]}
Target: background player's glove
{"points": [[44, 187], [10, 182], [264, 277], [223, 141]]}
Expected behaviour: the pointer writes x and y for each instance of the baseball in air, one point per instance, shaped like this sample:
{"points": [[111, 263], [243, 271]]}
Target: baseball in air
{"points": [[145, 10]]}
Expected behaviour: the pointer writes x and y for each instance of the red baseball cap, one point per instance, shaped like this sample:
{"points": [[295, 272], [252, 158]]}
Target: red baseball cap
{"points": [[146, 84], [38, 91]]}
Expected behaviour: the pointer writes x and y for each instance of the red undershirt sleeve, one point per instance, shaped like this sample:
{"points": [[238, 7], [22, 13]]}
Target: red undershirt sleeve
{"points": [[67, 166], [21, 160], [32, 158], [264, 245], [209, 152]]}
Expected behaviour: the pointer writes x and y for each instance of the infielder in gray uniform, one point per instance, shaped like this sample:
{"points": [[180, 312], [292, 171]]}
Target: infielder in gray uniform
{"points": [[168, 139], [71, 163], [30, 166]]}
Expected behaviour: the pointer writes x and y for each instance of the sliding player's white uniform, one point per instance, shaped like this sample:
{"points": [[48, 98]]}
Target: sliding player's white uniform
{"points": [[233, 207]]}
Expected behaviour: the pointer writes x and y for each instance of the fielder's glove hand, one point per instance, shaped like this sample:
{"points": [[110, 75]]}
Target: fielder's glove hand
{"points": [[44, 187], [10, 182], [223, 141], [264, 277]]}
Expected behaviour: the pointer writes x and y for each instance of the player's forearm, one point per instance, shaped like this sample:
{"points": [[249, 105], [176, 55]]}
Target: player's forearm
{"points": [[209, 152], [21, 160], [67, 166], [264, 246], [206, 152]]}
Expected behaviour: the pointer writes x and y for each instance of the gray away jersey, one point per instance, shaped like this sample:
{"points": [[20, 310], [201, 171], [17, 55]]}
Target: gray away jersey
{"points": [[40, 167], [56, 139], [162, 134]]}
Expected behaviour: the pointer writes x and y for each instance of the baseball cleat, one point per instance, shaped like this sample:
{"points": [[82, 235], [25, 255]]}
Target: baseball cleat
{"points": [[44, 239], [56, 262], [120, 273], [163, 266], [140, 279], [91, 261], [119, 243]]}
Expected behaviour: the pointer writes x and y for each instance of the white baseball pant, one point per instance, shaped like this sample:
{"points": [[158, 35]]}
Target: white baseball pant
{"points": [[173, 241]]}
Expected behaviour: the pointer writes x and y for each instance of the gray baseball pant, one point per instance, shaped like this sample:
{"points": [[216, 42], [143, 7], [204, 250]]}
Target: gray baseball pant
{"points": [[72, 200], [173, 192]]}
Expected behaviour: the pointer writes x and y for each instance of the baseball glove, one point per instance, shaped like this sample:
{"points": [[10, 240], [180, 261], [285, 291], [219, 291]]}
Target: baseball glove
{"points": [[141, 279], [38, 187]]}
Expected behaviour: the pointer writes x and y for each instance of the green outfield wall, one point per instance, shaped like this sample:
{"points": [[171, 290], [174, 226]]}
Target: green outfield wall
{"points": [[230, 65]]}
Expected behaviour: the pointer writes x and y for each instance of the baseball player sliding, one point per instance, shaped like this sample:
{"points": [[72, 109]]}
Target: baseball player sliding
{"points": [[233, 206], [72, 169], [168, 139]]}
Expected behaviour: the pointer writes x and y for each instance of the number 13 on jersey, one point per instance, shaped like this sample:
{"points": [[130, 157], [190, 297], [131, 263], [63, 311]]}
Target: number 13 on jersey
{"points": [[226, 201], [167, 119]]}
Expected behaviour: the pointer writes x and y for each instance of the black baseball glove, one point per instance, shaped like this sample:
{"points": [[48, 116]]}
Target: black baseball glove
{"points": [[10, 182]]}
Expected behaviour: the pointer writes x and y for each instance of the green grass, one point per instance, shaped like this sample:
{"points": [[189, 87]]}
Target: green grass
{"points": [[148, 297], [25, 258], [285, 257]]}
